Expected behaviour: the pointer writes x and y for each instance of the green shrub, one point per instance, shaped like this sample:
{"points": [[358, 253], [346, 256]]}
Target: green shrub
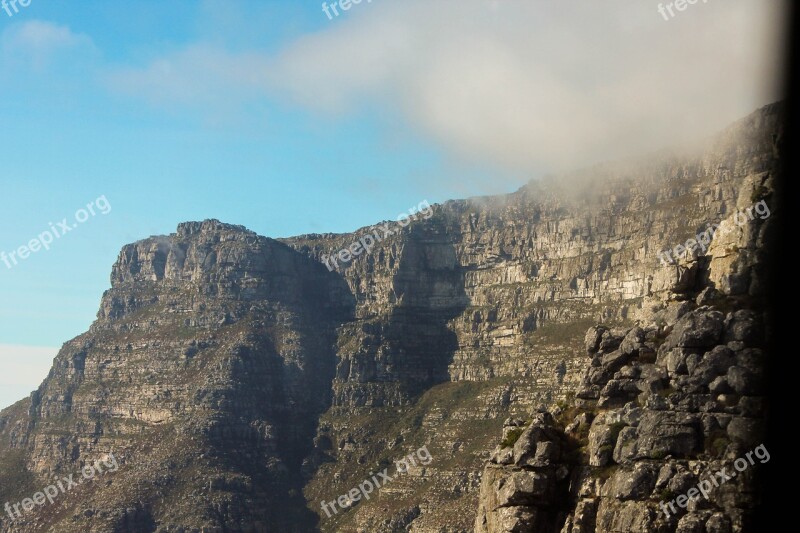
{"points": [[511, 438], [606, 448], [719, 446], [665, 495], [667, 392], [616, 428], [605, 472]]}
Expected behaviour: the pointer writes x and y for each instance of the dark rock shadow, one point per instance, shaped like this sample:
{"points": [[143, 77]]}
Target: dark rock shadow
{"points": [[429, 288]]}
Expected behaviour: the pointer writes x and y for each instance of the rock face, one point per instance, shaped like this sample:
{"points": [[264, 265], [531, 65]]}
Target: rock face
{"points": [[657, 428], [240, 383], [526, 484], [204, 373], [666, 430]]}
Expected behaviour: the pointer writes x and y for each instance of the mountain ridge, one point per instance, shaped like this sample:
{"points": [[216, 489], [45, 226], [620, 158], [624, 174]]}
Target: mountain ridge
{"points": [[220, 348]]}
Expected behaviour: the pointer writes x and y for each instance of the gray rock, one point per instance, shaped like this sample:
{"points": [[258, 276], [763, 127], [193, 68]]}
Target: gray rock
{"points": [[681, 482], [745, 326], [752, 359], [631, 483], [718, 523], [692, 523], [676, 310], [752, 407], [632, 342], [615, 360], [706, 296], [660, 434], [674, 360], [746, 431], [665, 474], [743, 381], [522, 487], [626, 448], [593, 337], [701, 328], [618, 392], [720, 385], [611, 340], [602, 438]]}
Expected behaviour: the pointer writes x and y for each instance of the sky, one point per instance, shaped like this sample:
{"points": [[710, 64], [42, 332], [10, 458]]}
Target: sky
{"points": [[122, 119]]}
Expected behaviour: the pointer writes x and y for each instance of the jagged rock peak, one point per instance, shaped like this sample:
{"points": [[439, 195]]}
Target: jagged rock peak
{"points": [[187, 229], [196, 247]]}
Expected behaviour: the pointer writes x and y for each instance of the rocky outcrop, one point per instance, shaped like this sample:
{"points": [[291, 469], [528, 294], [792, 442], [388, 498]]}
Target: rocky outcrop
{"points": [[537, 268], [666, 431], [526, 484], [662, 409], [204, 373]]}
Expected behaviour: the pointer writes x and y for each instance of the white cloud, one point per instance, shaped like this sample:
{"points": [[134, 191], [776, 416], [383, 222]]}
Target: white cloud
{"points": [[24, 369], [199, 75], [532, 86], [38, 42]]}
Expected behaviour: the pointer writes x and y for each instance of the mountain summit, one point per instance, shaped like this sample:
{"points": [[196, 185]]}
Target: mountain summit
{"points": [[239, 383]]}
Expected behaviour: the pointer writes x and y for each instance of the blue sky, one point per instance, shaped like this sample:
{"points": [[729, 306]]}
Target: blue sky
{"points": [[270, 115]]}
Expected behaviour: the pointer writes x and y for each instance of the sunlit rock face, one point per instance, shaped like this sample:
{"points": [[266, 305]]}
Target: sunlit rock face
{"points": [[240, 382]]}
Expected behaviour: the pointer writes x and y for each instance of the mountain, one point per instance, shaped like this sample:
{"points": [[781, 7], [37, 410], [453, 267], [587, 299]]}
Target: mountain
{"points": [[241, 383]]}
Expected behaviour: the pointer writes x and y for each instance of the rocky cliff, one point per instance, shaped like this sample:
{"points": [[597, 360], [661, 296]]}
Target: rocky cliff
{"points": [[241, 383], [666, 431], [663, 410]]}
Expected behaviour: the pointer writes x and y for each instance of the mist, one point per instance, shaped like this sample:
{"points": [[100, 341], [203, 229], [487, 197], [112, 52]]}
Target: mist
{"points": [[540, 86]]}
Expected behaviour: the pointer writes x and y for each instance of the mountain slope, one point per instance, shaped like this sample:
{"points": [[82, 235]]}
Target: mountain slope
{"points": [[239, 382]]}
